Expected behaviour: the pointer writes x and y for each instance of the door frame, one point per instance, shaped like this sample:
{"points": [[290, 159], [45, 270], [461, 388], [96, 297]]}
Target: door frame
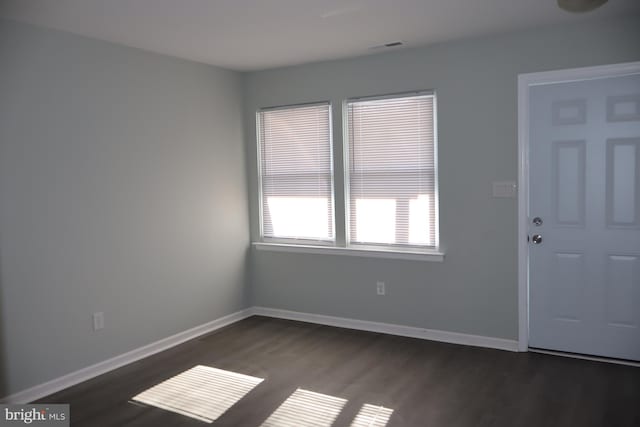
{"points": [[525, 82]]}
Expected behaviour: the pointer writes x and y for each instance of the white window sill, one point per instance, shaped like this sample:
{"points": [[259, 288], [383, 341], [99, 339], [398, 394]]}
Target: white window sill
{"points": [[372, 252]]}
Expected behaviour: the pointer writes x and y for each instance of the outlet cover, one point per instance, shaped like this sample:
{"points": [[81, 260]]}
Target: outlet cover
{"points": [[98, 321]]}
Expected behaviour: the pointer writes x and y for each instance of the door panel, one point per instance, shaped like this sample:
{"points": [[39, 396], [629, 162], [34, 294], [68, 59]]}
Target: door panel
{"points": [[568, 271], [621, 283], [569, 182], [622, 189], [584, 183]]}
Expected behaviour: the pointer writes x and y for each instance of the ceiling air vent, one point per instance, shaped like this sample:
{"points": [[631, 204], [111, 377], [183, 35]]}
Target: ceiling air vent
{"points": [[387, 45], [580, 5]]}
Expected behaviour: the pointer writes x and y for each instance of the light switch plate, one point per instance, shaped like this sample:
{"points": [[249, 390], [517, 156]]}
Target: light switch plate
{"points": [[504, 189]]}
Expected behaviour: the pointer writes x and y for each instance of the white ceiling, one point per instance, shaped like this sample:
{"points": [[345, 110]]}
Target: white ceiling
{"points": [[259, 34]]}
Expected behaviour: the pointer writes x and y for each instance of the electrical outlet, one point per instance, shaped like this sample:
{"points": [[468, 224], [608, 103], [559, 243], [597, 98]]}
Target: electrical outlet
{"points": [[380, 289], [98, 321]]}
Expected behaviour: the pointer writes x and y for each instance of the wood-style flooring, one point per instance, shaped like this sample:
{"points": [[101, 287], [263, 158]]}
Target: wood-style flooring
{"points": [[425, 383]]}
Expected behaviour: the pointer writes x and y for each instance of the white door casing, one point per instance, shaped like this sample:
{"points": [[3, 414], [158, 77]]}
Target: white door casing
{"points": [[579, 171]]}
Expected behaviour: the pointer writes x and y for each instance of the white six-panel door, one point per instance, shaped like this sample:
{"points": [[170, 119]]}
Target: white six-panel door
{"points": [[584, 216]]}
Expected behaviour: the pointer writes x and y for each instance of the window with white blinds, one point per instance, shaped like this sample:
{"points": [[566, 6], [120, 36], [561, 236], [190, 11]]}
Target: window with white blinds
{"points": [[296, 173], [392, 171]]}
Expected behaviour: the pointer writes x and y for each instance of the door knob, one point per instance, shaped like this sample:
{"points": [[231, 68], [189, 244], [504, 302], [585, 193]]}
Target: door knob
{"points": [[537, 239]]}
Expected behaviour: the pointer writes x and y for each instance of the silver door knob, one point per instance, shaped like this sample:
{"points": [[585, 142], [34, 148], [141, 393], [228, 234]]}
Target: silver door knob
{"points": [[537, 239]]}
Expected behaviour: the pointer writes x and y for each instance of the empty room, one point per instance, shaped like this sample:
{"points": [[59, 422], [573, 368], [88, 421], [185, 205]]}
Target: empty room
{"points": [[330, 213]]}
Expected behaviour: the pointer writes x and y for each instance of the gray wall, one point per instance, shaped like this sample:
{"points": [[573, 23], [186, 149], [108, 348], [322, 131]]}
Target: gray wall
{"points": [[122, 190], [475, 289]]}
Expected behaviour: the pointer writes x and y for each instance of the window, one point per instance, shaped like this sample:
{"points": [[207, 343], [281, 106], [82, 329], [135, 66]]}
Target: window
{"points": [[296, 173], [391, 176], [390, 206]]}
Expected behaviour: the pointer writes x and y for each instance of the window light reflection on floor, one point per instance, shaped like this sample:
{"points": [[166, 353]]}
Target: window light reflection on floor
{"points": [[372, 416], [306, 408], [202, 392]]}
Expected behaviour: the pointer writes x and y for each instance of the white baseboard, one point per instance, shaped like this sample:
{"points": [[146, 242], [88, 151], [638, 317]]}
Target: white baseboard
{"points": [[386, 328], [84, 374], [586, 357]]}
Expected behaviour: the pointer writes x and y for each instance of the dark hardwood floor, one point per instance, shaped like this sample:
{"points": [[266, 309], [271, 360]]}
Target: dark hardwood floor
{"points": [[425, 383]]}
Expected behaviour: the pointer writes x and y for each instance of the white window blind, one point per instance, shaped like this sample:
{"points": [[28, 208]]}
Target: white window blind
{"points": [[392, 171], [296, 173]]}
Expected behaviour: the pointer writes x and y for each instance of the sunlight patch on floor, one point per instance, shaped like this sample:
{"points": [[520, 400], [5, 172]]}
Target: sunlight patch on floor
{"points": [[202, 392], [372, 416], [306, 408]]}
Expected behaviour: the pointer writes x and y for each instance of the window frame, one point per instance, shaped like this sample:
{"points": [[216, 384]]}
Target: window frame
{"points": [[340, 244], [292, 240], [347, 167]]}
